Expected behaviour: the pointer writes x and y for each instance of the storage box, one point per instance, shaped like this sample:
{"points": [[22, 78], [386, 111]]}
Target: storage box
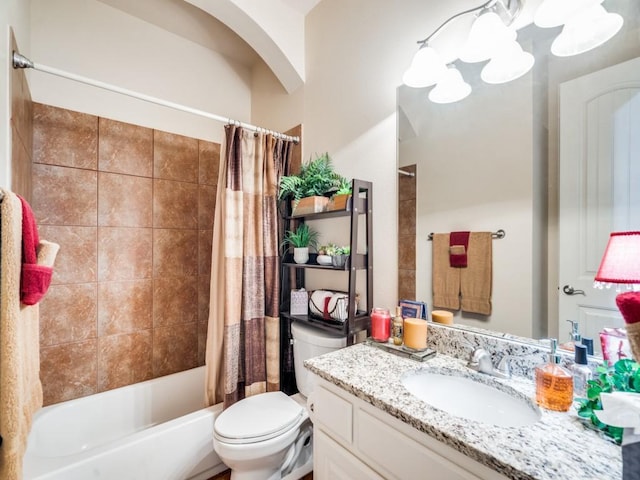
{"points": [[299, 302], [340, 202], [308, 205]]}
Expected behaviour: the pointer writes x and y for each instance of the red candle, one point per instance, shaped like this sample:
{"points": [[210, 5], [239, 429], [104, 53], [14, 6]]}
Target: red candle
{"points": [[380, 324]]}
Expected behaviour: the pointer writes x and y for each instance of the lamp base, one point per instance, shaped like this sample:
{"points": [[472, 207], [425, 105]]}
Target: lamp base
{"points": [[629, 305]]}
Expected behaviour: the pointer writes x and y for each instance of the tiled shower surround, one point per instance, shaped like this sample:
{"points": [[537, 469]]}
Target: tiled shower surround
{"points": [[132, 209], [407, 234]]}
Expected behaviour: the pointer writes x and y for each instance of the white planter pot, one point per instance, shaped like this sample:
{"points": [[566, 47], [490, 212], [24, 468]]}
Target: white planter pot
{"points": [[301, 255]]}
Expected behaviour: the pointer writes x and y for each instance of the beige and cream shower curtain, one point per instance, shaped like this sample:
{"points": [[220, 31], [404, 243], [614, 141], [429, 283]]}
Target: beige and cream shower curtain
{"points": [[243, 338]]}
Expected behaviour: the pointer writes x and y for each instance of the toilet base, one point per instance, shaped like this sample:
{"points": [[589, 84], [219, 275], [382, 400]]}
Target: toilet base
{"points": [[300, 453], [301, 471]]}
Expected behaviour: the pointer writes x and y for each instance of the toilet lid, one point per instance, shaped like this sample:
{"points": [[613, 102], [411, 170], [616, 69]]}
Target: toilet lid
{"points": [[258, 418]]}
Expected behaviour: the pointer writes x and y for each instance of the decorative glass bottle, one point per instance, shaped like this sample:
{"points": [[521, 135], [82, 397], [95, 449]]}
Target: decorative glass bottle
{"points": [[554, 383]]}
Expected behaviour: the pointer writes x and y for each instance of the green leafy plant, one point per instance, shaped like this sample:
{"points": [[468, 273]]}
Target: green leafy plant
{"points": [[344, 250], [623, 376], [303, 236], [344, 188], [317, 177], [328, 249]]}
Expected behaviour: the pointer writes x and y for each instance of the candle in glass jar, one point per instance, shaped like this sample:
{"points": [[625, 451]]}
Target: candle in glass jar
{"points": [[380, 324], [415, 333]]}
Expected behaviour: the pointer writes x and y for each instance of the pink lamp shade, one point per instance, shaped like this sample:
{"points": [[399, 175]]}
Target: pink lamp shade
{"points": [[621, 260], [621, 264]]}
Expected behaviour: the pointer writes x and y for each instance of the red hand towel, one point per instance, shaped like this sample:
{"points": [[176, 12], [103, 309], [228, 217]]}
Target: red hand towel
{"points": [[34, 278], [458, 255]]}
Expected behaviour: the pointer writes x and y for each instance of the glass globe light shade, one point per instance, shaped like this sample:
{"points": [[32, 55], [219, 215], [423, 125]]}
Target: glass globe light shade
{"points": [[487, 33], [425, 70], [553, 13], [508, 64], [451, 88], [586, 31]]}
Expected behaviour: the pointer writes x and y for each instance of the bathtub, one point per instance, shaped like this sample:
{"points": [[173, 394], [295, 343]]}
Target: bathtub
{"points": [[155, 430]]}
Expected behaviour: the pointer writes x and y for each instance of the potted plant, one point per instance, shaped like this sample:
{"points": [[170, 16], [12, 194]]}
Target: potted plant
{"points": [[325, 253], [340, 199], [309, 191], [622, 376], [339, 259], [301, 239]]}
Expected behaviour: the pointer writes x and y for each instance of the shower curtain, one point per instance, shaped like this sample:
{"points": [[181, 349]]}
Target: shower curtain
{"points": [[243, 336]]}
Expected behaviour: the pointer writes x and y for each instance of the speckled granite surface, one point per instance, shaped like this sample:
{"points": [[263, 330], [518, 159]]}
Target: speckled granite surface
{"points": [[557, 447]]}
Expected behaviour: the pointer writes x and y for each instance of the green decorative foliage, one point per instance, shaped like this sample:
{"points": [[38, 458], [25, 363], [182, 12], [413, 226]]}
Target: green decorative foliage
{"points": [[328, 249], [345, 187], [304, 236], [623, 376], [316, 177]]}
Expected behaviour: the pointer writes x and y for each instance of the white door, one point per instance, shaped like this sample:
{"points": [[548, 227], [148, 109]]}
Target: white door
{"points": [[599, 188]]}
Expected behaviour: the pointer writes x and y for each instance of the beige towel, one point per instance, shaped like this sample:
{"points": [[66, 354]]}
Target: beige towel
{"points": [[20, 387], [476, 279], [47, 252], [633, 334], [445, 278]]}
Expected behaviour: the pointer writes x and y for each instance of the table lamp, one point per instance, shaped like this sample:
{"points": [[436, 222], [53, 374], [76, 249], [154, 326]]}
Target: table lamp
{"points": [[620, 265]]}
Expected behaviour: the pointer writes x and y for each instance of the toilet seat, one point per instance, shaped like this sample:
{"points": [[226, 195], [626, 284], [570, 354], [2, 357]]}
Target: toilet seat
{"points": [[258, 418]]}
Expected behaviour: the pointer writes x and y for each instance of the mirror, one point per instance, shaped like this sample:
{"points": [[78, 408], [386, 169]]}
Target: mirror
{"points": [[491, 162]]}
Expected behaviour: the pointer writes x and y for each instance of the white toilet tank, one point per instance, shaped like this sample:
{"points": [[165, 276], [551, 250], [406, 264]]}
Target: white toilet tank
{"points": [[309, 342]]}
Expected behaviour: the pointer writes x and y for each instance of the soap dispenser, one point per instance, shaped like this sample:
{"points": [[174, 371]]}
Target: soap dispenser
{"points": [[574, 336], [554, 383], [581, 372]]}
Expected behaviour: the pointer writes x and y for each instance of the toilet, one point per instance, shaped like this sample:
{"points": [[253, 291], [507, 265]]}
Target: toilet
{"points": [[269, 436]]}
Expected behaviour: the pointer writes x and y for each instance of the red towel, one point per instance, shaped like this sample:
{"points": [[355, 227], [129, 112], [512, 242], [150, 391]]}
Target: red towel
{"points": [[34, 278], [458, 245]]}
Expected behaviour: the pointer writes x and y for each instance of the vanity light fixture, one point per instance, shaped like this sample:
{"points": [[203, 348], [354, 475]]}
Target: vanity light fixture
{"points": [[585, 31], [587, 25], [451, 87], [509, 63]]}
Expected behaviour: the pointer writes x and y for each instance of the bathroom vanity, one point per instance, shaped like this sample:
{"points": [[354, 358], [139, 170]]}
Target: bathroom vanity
{"points": [[368, 425]]}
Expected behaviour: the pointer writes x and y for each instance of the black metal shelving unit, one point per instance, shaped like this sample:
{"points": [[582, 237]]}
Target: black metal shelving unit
{"points": [[292, 275]]}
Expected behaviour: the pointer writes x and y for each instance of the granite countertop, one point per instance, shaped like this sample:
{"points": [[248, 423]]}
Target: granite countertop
{"points": [[556, 447]]}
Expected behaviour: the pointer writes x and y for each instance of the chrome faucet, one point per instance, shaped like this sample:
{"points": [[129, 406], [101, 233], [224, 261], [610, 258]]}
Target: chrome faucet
{"points": [[480, 361]]}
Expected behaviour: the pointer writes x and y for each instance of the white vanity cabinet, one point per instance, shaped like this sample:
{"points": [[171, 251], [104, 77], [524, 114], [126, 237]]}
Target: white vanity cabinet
{"points": [[355, 440]]}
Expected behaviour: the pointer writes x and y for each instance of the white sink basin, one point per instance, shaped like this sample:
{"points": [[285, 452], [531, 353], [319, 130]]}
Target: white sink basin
{"points": [[466, 398]]}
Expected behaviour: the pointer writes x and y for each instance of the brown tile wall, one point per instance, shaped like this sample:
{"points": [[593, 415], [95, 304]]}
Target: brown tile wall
{"points": [[21, 129], [407, 234], [132, 209]]}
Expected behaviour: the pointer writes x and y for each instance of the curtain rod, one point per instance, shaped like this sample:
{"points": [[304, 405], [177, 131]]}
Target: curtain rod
{"points": [[499, 234], [20, 61]]}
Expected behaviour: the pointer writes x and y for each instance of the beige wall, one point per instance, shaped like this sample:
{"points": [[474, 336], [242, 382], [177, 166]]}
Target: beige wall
{"points": [[92, 39], [132, 210]]}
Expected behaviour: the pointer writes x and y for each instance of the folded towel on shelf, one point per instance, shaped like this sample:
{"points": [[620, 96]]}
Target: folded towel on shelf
{"points": [[445, 278], [476, 279], [35, 276], [458, 246]]}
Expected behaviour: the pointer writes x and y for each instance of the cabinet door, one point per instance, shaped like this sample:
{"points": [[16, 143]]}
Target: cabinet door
{"points": [[333, 462], [397, 456]]}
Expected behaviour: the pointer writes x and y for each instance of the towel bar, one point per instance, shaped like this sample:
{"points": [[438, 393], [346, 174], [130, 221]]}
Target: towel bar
{"points": [[499, 234]]}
